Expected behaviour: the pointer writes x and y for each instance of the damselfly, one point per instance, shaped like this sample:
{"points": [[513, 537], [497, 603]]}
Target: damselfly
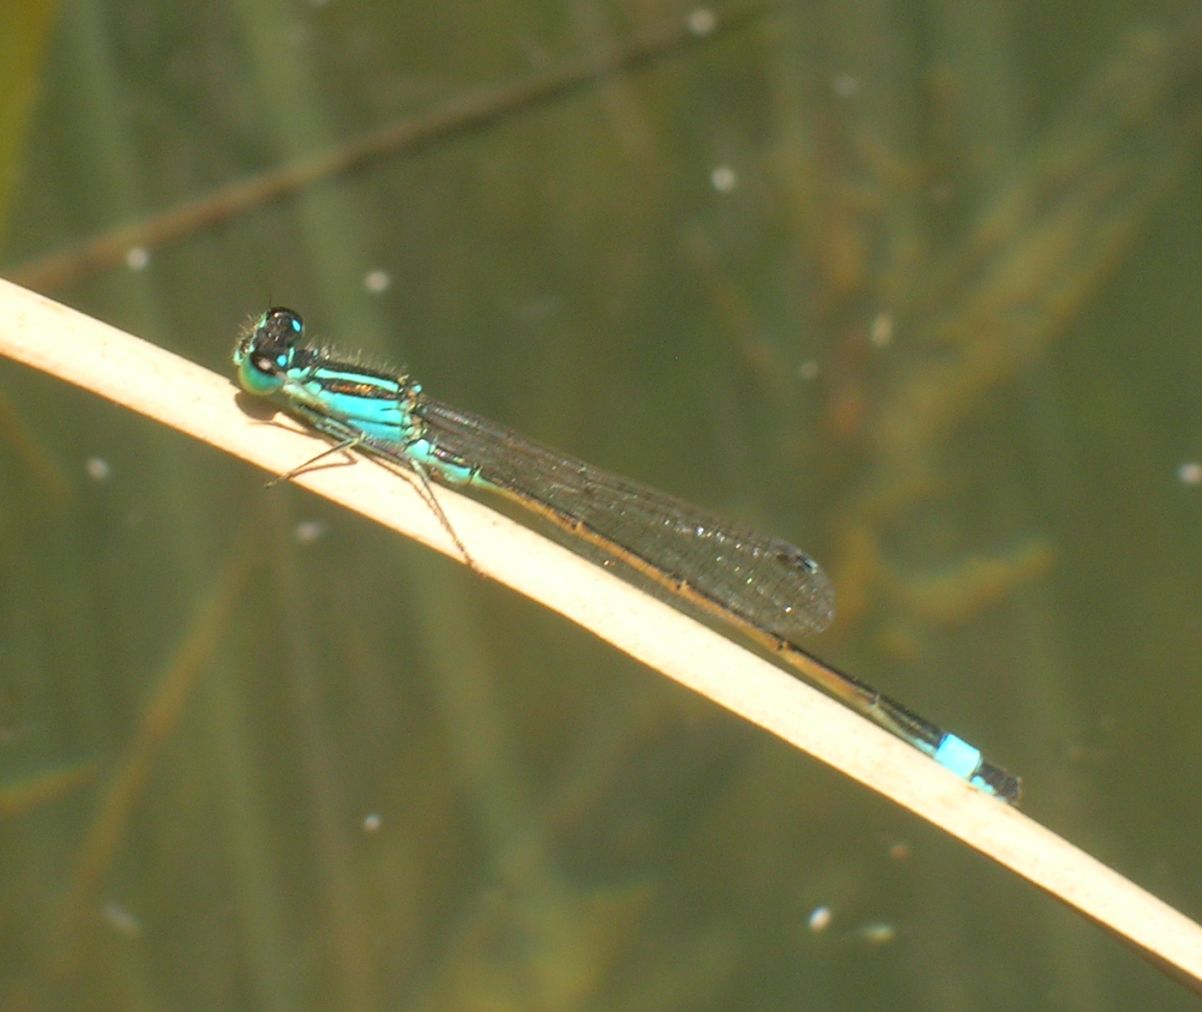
{"points": [[767, 588]]}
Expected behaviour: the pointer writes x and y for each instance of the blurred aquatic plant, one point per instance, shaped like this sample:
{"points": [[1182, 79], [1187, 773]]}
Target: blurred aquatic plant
{"points": [[25, 27], [930, 242], [939, 270]]}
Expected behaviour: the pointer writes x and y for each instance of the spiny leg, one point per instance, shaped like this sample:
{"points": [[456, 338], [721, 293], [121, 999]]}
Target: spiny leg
{"points": [[346, 444]]}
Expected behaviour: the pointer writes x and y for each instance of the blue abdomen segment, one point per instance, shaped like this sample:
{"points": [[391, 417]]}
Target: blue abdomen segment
{"points": [[957, 755], [450, 468]]}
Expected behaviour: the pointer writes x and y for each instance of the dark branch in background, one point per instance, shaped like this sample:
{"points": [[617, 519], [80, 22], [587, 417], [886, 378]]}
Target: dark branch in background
{"points": [[458, 116]]}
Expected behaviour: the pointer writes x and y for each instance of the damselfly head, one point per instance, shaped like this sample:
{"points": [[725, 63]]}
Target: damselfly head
{"points": [[265, 350]]}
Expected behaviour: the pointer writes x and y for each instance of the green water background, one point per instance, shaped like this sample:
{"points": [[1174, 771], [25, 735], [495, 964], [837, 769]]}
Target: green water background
{"points": [[914, 286]]}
